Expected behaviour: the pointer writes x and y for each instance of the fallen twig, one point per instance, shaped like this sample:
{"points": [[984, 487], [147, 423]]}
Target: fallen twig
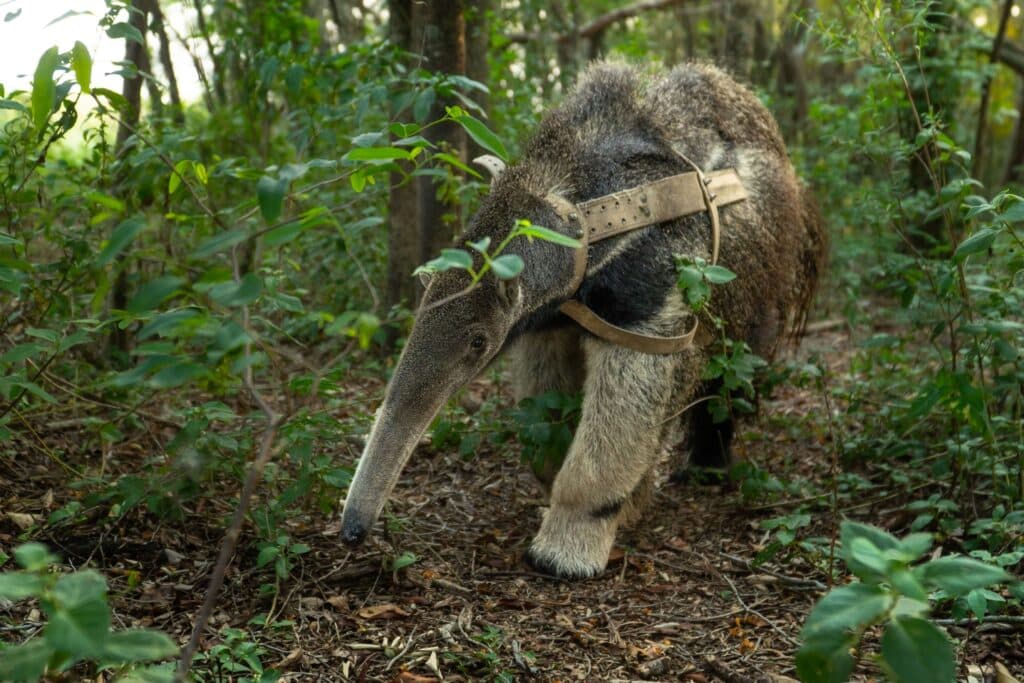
{"points": [[716, 667], [788, 580]]}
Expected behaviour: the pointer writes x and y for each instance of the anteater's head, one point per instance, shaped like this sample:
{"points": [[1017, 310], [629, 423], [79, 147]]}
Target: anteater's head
{"points": [[460, 328]]}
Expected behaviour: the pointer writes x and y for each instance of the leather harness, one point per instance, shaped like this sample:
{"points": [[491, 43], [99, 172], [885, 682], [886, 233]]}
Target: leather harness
{"points": [[648, 204], [654, 202]]}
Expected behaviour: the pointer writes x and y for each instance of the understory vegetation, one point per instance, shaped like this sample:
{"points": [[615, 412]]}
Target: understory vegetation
{"points": [[200, 302]]}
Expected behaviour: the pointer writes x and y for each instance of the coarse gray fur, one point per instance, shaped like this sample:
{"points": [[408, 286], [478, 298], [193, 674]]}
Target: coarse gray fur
{"points": [[616, 130]]}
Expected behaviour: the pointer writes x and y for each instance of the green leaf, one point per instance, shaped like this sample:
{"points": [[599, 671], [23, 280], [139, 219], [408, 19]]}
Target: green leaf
{"points": [[916, 545], [864, 552], [178, 175], [238, 293], [34, 556], [449, 258], [106, 200], [18, 586], [915, 650], [123, 29], [826, 660], [404, 560], [480, 246], [25, 662], [120, 238], [219, 242], [13, 105], [116, 99], [284, 234], [457, 163], [176, 374], [718, 275], [378, 154], [548, 235], [138, 645], [507, 266], [358, 180], [270, 193], [881, 540], [80, 622], [978, 242], [422, 104], [44, 90], [482, 135], [844, 609], [961, 575], [338, 477], [976, 600], [267, 555], [1014, 213], [154, 292], [907, 583], [81, 63], [21, 352], [160, 673], [367, 139]]}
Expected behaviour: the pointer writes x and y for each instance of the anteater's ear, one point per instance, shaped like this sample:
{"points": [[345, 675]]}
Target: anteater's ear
{"points": [[509, 291], [491, 164]]}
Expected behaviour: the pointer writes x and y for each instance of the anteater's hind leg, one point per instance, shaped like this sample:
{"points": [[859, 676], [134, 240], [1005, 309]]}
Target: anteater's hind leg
{"points": [[707, 446], [608, 469]]}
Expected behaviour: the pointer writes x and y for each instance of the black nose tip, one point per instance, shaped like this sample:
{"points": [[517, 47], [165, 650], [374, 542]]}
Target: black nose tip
{"points": [[353, 534]]}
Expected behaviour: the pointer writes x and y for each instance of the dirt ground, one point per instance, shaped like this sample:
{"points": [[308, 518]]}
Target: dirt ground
{"points": [[680, 600]]}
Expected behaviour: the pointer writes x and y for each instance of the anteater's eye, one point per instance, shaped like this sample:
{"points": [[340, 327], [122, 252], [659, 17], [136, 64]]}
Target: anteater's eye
{"points": [[478, 343]]}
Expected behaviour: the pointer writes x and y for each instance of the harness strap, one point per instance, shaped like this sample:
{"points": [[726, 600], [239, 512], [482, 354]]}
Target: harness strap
{"points": [[649, 204], [637, 341]]}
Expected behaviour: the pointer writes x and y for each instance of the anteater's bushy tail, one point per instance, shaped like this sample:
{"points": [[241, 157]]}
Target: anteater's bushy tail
{"points": [[811, 263]]}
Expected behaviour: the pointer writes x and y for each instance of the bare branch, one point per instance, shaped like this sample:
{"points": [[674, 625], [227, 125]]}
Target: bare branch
{"points": [[986, 89], [596, 26]]}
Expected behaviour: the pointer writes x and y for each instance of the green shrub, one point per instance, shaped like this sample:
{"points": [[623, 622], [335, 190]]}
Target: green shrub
{"points": [[78, 627]]}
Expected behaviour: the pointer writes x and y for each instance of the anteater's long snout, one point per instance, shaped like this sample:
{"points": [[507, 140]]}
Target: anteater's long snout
{"points": [[354, 528], [396, 431]]}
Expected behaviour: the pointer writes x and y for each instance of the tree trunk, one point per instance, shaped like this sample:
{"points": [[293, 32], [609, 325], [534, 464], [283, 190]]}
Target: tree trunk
{"points": [[442, 32], [739, 37], [158, 25], [218, 74], [477, 44], [403, 243], [932, 95], [792, 77], [136, 54], [1015, 163]]}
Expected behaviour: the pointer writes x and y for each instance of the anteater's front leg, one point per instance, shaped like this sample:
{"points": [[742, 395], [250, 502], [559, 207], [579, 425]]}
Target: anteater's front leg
{"points": [[625, 399]]}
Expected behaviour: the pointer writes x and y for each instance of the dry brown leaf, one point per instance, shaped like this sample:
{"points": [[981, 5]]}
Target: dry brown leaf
{"points": [[338, 602], [292, 658], [1003, 674], [22, 520], [410, 677], [386, 611]]}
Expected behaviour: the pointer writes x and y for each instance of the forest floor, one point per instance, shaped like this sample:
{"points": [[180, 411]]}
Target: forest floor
{"points": [[680, 600]]}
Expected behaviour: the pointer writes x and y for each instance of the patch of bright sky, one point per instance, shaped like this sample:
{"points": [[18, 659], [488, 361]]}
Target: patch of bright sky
{"points": [[28, 28]]}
